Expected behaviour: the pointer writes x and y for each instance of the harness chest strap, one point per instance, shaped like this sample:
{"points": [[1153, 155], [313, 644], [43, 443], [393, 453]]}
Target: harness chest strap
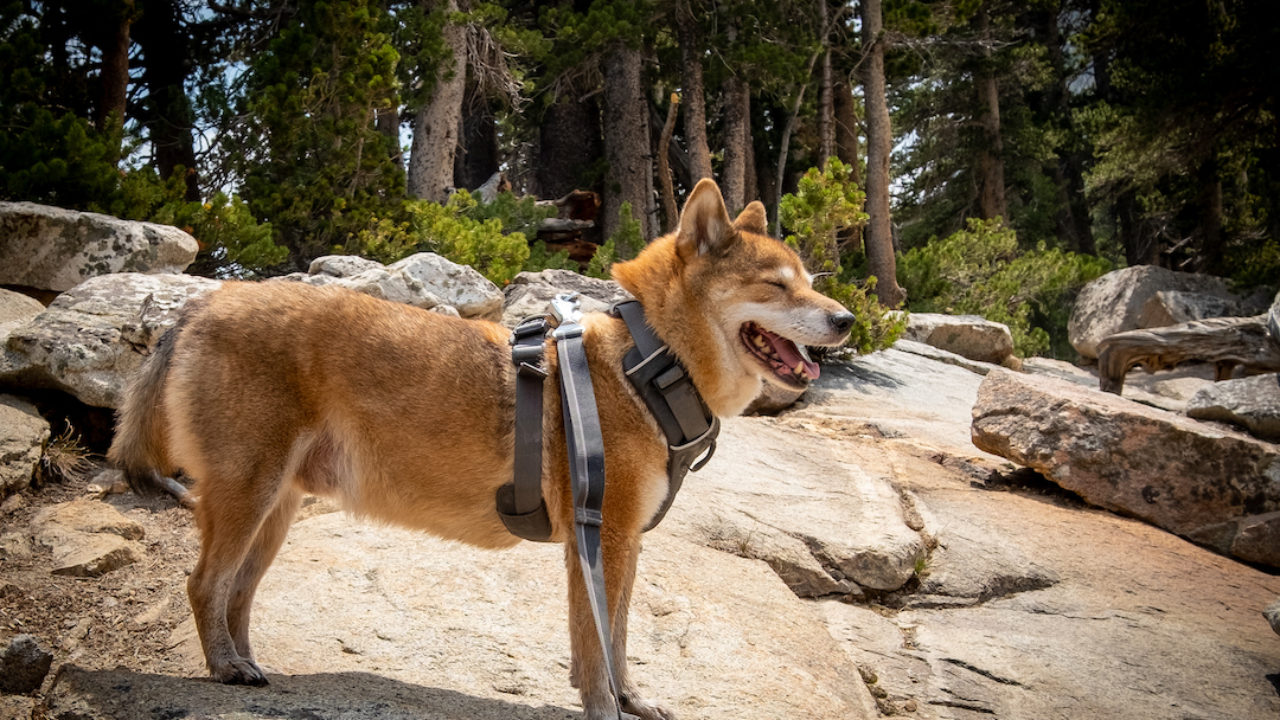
{"points": [[659, 379], [663, 383]]}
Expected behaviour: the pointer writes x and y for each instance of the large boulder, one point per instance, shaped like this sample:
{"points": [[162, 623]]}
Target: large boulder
{"points": [[1170, 307], [1211, 485], [530, 293], [15, 309], [92, 337], [1116, 302], [1252, 403], [969, 336], [23, 434], [832, 528], [424, 280], [343, 618], [56, 249]]}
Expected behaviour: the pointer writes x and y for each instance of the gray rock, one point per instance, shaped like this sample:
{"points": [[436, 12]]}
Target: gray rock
{"points": [[841, 529], [1115, 302], [1191, 478], [55, 249], [461, 286], [341, 266], [896, 394], [710, 635], [88, 516], [92, 337], [1272, 614], [1170, 307], [15, 309], [1252, 403], [969, 336], [1168, 390], [530, 293], [935, 353], [424, 280], [23, 666], [23, 434], [15, 546], [88, 538], [773, 400]]}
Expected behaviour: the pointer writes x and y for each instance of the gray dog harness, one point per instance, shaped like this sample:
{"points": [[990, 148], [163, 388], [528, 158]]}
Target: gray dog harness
{"points": [[661, 381], [657, 376]]}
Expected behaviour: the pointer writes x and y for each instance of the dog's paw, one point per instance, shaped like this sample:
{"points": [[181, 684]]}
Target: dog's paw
{"points": [[239, 671], [646, 711]]}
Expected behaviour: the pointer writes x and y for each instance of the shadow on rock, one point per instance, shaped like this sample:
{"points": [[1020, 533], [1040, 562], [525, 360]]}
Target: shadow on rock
{"points": [[126, 695], [846, 376]]}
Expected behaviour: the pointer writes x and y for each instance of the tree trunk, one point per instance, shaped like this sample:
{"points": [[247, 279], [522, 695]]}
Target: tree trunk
{"points": [[826, 111], [629, 177], [568, 145], [991, 196], [846, 116], [784, 144], [435, 131], [477, 158], [733, 173], [168, 116], [115, 66], [751, 190], [879, 233], [1211, 246], [1074, 223], [1140, 247], [695, 112], [388, 124], [670, 211]]}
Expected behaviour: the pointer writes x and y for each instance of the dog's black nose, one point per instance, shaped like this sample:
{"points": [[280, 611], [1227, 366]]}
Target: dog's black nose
{"points": [[842, 321]]}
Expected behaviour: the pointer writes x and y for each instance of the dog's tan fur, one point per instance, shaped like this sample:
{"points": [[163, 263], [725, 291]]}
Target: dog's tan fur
{"points": [[269, 391]]}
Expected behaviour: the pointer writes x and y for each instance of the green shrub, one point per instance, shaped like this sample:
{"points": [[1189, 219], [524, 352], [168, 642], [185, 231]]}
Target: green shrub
{"points": [[450, 231], [981, 270], [826, 208]]}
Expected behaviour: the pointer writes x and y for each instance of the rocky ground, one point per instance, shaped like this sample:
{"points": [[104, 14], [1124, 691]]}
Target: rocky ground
{"points": [[853, 558]]}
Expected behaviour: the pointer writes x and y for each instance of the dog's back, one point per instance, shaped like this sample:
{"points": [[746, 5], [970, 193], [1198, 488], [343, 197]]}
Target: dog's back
{"points": [[334, 391]]}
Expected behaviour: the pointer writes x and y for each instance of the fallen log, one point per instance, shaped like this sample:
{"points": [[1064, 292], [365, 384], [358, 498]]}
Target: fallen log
{"points": [[1252, 343]]}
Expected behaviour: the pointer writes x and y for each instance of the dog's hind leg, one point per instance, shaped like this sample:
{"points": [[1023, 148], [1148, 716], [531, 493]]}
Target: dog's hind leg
{"points": [[265, 546], [231, 515]]}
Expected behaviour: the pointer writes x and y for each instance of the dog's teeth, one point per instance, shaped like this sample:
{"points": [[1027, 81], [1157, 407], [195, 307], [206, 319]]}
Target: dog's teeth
{"points": [[804, 352]]}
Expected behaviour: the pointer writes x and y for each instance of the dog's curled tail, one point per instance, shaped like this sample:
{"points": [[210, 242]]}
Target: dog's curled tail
{"points": [[139, 447]]}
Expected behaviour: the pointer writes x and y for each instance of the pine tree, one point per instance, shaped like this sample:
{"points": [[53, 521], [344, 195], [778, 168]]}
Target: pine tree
{"points": [[315, 164]]}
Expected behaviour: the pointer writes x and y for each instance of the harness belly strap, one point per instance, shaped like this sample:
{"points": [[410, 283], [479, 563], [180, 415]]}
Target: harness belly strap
{"points": [[520, 503]]}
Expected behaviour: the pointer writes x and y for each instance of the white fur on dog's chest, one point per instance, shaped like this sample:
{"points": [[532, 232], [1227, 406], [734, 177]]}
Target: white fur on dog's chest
{"points": [[651, 495]]}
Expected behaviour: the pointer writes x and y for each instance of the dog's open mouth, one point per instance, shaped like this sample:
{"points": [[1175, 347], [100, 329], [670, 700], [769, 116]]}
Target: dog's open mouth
{"points": [[788, 361]]}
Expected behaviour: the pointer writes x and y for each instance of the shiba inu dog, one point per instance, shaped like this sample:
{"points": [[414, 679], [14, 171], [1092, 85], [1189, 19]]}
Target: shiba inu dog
{"points": [[265, 392]]}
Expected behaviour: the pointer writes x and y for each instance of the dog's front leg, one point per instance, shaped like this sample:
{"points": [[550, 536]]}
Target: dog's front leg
{"points": [[590, 674]]}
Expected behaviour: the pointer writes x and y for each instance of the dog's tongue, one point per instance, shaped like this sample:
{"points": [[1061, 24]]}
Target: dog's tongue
{"points": [[791, 354]]}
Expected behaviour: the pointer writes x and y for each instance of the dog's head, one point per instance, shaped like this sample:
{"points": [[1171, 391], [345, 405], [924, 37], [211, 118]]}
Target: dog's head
{"points": [[736, 305]]}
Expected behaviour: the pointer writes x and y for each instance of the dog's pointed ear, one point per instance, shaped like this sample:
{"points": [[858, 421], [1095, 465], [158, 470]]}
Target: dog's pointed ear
{"points": [[752, 219], [704, 223]]}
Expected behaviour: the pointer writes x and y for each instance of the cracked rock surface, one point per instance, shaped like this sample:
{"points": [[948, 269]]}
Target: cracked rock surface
{"points": [[853, 558]]}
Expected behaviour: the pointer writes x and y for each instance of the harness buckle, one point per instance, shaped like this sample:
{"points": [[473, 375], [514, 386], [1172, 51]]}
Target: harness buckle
{"points": [[567, 308]]}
